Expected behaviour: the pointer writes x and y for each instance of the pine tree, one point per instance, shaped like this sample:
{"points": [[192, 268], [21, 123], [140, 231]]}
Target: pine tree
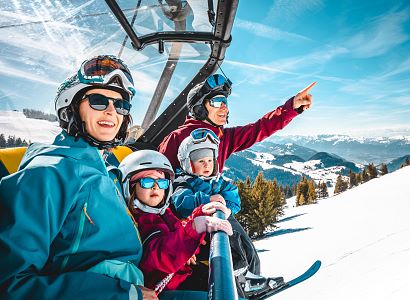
{"points": [[301, 200], [383, 169], [261, 204], [341, 185], [323, 190], [11, 141], [294, 187], [359, 178], [365, 175], [3, 141], [372, 171], [302, 189], [311, 192], [352, 179], [263, 192], [288, 192], [245, 215]]}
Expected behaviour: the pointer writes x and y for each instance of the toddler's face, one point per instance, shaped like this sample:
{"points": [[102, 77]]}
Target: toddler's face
{"points": [[150, 196], [203, 166]]}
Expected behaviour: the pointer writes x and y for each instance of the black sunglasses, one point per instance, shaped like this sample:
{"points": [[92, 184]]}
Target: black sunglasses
{"points": [[101, 102]]}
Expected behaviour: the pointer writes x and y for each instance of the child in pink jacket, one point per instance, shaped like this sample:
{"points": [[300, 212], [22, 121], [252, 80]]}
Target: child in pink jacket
{"points": [[169, 245]]}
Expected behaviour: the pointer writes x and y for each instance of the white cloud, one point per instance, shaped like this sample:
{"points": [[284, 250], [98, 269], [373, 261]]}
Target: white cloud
{"points": [[380, 35], [14, 72], [289, 10], [268, 32]]}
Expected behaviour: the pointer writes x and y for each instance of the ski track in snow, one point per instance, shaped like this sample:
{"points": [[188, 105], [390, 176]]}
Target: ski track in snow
{"points": [[362, 237]]}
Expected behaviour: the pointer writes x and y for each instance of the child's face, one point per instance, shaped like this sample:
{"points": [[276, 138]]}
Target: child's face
{"points": [[151, 196], [203, 166]]}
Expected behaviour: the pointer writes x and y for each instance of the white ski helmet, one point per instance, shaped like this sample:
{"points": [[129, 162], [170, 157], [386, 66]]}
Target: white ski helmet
{"points": [[141, 160], [103, 71], [200, 138]]}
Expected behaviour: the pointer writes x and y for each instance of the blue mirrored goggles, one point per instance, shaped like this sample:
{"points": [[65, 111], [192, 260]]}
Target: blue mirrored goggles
{"points": [[148, 183], [201, 134], [101, 102], [217, 80], [105, 69], [218, 100]]}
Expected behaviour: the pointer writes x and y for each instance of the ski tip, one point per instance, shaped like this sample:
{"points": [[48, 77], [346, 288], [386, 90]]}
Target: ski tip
{"points": [[316, 265]]}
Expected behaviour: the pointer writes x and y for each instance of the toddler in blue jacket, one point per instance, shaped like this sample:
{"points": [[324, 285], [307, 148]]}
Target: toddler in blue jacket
{"points": [[199, 182]]}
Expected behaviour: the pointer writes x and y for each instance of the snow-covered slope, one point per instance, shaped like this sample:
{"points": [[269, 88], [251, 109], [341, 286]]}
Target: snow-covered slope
{"points": [[15, 123], [362, 237]]}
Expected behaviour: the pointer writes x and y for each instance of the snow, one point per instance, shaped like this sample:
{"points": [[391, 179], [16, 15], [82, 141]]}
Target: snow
{"points": [[15, 123], [362, 237]]}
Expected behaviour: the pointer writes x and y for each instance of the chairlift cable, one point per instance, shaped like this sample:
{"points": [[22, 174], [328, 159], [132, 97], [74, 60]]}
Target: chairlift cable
{"points": [[67, 18]]}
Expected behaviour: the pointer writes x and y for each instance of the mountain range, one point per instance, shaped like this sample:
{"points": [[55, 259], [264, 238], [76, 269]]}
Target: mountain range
{"points": [[360, 150]]}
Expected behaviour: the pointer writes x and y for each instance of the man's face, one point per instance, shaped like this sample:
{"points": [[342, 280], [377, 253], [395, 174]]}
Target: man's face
{"points": [[217, 115]]}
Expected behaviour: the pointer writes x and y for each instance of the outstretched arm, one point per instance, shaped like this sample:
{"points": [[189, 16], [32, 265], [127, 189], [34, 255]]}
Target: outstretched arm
{"points": [[243, 137]]}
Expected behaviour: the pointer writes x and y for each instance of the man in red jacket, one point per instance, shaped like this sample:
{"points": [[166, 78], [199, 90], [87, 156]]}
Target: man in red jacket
{"points": [[208, 105]]}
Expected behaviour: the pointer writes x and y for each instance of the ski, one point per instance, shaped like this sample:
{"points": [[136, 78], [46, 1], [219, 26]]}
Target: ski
{"points": [[306, 275]]}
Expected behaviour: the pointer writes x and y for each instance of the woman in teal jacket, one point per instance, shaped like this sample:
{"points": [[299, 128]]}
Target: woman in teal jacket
{"points": [[65, 231]]}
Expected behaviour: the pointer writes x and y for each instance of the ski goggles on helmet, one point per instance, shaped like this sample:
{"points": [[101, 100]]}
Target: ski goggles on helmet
{"points": [[218, 81], [101, 102], [201, 134], [148, 182], [218, 100], [104, 70]]}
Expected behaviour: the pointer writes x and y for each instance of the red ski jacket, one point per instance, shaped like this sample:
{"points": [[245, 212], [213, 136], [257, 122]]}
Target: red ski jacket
{"points": [[232, 139], [168, 243]]}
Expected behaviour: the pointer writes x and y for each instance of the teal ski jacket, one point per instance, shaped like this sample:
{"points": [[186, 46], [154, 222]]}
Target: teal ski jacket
{"points": [[65, 231]]}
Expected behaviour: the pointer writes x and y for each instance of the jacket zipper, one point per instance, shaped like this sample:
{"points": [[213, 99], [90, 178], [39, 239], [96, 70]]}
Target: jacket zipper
{"points": [[78, 236], [121, 199]]}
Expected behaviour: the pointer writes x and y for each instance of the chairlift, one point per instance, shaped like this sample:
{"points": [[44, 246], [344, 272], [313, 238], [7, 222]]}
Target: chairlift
{"points": [[178, 43]]}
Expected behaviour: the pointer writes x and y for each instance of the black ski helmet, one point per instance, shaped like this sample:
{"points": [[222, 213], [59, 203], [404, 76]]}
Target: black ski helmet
{"points": [[215, 85]]}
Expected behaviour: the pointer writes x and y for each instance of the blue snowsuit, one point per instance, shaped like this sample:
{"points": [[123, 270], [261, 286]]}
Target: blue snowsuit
{"points": [[64, 228], [190, 191]]}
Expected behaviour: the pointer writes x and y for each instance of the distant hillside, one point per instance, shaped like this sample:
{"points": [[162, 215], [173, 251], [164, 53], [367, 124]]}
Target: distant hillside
{"points": [[397, 163], [284, 149], [239, 167], [329, 160], [284, 159], [15, 123]]}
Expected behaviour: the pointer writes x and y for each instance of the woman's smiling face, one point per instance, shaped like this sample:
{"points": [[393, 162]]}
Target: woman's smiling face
{"points": [[101, 125]]}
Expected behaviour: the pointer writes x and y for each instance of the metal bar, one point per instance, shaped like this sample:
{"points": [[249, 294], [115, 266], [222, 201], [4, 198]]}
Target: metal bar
{"points": [[221, 285], [124, 23], [177, 36], [164, 80]]}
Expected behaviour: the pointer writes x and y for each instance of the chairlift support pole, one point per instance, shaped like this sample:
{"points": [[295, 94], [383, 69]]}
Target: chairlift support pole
{"points": [[221, 284]]}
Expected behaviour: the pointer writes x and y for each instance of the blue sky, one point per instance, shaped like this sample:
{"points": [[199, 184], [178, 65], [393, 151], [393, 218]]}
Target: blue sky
{"points": [[357, 51]]}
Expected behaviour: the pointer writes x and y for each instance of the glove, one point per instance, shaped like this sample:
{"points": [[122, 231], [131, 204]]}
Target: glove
{"points": [[211, 207], [211, 224], [217, 198]]}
